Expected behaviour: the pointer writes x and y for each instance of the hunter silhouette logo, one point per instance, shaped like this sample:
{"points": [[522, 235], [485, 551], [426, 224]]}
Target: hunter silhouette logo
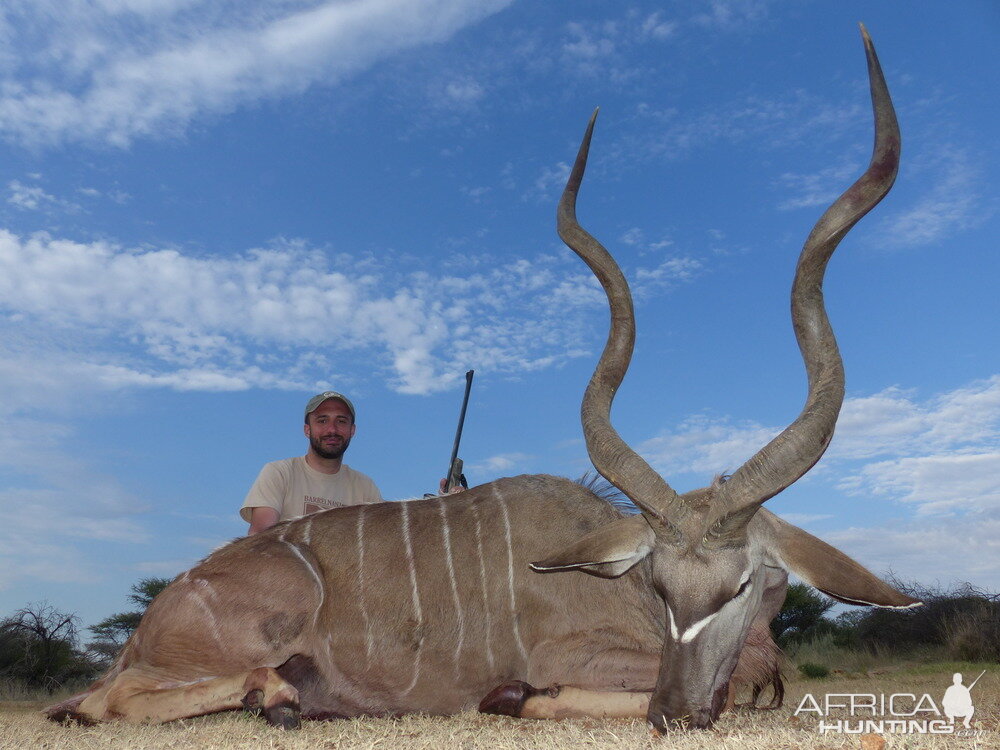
{"points": [[897, 713], [957, 701]]}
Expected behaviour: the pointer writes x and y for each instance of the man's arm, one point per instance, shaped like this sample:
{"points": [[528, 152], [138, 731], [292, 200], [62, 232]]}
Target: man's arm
{"points": [[262, 518], [262, 507]]}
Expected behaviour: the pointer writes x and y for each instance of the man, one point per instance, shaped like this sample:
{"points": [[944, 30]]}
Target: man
{"points": [[317, 481]]}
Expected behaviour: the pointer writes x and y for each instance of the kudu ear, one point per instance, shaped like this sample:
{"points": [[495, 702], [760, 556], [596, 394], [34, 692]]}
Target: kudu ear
{"points": [[607, 552], [829, 569]]}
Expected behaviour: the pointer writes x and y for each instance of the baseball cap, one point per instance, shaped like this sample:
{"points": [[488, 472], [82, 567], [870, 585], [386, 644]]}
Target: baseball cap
{"points": [[319, 398]]}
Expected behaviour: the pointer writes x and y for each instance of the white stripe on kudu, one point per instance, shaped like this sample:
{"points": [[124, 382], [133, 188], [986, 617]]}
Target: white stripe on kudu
{"points": [[459, 614], [319, 581], [201, 583], [415, 595], [692, 631], [510, 574], [307, 531], [369, 641], [689, 634], [482, 580]]}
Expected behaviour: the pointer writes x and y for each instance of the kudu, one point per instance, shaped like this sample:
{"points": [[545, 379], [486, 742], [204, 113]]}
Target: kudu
{"points": [[430, 605]]}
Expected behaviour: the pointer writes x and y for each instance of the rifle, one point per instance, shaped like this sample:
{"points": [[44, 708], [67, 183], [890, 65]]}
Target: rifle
{"points": [[976, 680], [455, 475]]}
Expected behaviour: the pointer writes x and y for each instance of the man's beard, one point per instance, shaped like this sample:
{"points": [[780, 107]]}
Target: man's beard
{"points": [[332, 452]]}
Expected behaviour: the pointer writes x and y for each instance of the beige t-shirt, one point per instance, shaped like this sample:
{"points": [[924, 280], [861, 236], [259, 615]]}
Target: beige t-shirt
{"points": [[293, 488]]}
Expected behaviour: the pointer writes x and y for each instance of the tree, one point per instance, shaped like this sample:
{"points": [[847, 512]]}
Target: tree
{"points": [[39, 647], [112, 632], [146, 590], [804, 610]]}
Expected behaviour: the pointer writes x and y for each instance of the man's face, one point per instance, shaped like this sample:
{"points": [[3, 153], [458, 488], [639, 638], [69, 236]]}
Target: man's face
{"points": [[330, 428]]}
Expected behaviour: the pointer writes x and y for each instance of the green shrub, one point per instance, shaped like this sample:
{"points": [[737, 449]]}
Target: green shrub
{"points": [[972, 632], [813, 671], [965, 622]]}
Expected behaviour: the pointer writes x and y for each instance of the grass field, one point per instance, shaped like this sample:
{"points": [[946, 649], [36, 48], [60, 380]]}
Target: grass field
{"points": [[23, 728]]}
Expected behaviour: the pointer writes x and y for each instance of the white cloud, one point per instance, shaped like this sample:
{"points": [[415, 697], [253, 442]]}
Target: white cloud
{"points": [[635, 237], [939, 457], [34, 198], [23, 557], [936, 483], [115, 377], [891, 422], [665, 275], [104, 317], [476, 194], [705, 446], [942, 455], [820, 188], [115, 71], [929, 552], [500, 464], [594, 48], [60, 513], [732, 15], [587, 44], [871, 425], [549, 182], [52, 501], [115, 196], [772, 123], [632, 236], [953, 202], [27, 197], [277, 317], [654, 26], [464, 91]]}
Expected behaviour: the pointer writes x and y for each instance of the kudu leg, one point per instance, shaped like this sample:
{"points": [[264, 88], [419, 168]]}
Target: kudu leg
{"points": [[141, 698], [69, 709], [778, 693], [730, 697], [777, 685], [591, 667], [521, 700]]}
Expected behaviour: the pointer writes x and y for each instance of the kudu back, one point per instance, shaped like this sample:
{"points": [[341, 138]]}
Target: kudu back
{"points": [[435, 605]]}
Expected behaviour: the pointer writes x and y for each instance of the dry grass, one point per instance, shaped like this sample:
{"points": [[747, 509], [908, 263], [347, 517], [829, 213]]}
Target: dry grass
{"points": [[23, 728]]}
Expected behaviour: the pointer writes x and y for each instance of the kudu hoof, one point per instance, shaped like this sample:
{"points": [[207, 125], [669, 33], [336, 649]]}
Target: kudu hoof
{"points": [[69, 716], [253, 701], [507, 699], [283, 716], [67, 712]]}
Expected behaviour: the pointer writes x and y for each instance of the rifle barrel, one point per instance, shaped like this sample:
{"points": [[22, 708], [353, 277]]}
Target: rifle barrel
{"points": [[458, 432]]}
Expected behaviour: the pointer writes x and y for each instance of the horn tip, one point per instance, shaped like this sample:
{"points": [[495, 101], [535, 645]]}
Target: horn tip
{"points": [[865, 36]]}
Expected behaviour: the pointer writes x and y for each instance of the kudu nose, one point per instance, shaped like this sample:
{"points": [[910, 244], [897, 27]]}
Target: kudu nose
{"points": [[678, 714]]}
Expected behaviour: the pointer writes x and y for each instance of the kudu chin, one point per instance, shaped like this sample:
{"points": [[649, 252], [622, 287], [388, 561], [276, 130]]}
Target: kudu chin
{"points": [[431, 605]]}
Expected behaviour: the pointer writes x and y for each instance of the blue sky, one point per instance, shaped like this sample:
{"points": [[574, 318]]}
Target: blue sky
{"points": [[210, 211]]}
